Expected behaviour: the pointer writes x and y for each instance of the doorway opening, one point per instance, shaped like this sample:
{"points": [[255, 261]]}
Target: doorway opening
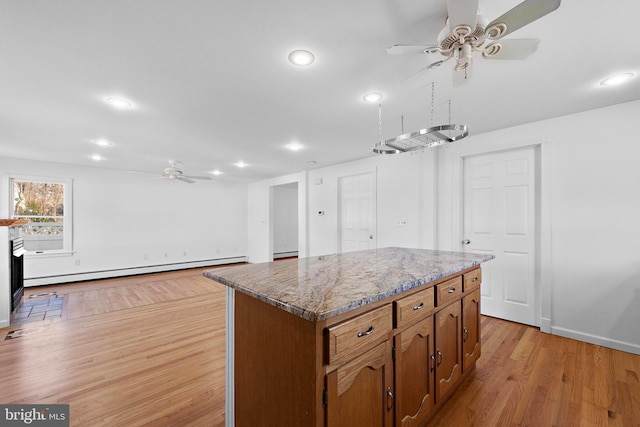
{"points": [[285, 221]]}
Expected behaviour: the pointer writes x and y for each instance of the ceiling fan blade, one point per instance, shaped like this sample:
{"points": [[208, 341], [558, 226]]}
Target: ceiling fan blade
{"points": [[521, 15], [410, 49], [196, 177], [511, 49], [462, 12], [183, 179]]}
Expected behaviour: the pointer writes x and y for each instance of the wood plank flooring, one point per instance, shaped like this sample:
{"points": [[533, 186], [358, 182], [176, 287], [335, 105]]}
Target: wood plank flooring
{"points": [[149, 351]]}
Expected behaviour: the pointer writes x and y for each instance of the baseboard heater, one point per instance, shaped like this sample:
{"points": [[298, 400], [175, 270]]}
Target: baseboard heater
{"points": [[285, 254], [131, 271]]}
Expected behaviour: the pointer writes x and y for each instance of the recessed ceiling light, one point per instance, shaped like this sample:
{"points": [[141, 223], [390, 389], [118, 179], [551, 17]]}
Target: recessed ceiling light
{"points": [[217, 172], [240, 164], [372, 97], [301, 57], [103, 142], [97, 158], [119, 102], [616, 79], [294, 146]]}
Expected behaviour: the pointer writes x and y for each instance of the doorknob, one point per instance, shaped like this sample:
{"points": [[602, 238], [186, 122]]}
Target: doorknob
{"points": [[371, 236], [466, 241]]}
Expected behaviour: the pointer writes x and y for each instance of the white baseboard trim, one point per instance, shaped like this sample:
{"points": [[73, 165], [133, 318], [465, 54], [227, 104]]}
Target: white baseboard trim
{"points": [[119, 272], [595, 339], [545, 325]]}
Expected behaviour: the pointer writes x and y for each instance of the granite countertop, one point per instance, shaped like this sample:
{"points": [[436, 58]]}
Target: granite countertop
{"points": [[317, 288]]}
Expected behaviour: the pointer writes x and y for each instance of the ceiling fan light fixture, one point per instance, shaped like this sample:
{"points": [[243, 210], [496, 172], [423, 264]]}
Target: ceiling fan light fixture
{"points": [[616, 79], [301, 57]]}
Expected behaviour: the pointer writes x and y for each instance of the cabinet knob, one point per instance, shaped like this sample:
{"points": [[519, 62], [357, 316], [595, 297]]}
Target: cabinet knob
{"points": [[439, 353], [466, 334]]}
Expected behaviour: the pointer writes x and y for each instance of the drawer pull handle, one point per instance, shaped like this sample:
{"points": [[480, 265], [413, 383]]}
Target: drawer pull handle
{"points": [[475, 279], [418, 307], [439, 353], [367, 332], [452, 290], [390, 399], [466, 334]]}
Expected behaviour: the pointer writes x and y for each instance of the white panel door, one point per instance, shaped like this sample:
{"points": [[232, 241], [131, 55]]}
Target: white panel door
{"points": [[500, 218], [357, 213]]}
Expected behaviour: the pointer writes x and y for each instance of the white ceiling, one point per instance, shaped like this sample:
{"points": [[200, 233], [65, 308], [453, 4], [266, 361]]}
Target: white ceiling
{"points": [[211, 83]]}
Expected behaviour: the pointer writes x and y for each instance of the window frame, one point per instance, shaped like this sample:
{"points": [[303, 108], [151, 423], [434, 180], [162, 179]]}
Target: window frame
{"points": [[67, 217]]}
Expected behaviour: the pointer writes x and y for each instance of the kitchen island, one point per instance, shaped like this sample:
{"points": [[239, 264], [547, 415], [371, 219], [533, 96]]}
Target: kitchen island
{"points": [[378, 337]]}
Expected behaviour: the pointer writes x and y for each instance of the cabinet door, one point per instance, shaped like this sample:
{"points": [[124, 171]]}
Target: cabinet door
{"points": [[415, 366], [470, 329], [448, 351], [359, 393]]}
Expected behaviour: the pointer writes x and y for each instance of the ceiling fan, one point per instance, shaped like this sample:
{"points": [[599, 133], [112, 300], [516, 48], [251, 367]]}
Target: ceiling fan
{"points": [[172, 173], [466, 31]]}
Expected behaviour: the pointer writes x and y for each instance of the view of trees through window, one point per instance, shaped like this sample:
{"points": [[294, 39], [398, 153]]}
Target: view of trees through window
{"points": [[43, 204]]}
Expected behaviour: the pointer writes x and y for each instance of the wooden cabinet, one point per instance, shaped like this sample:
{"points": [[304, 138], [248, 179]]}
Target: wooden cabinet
{"points": [[470, 329], [360, 392], [414, 370], [448, 334], [393, 362]]}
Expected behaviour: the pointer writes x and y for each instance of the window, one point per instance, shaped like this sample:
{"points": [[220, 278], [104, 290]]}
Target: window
{"points": [[46, 204]]}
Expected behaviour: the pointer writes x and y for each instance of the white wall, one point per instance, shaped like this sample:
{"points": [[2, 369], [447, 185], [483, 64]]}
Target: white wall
{"points": [[405, 185], [285, 219], [126, 221], [591, 206]]}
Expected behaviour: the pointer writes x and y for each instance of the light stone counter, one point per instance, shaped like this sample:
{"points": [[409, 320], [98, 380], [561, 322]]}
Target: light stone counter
{"points": [[318, 288]]}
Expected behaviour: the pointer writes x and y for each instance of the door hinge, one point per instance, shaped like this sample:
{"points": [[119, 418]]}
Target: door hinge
{"points": [[325, 397]]}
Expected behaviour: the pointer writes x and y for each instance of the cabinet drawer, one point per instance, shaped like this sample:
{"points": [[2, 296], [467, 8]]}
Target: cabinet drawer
{"points": [[472, 280], [414, 307], [352, 337], [449, 291]]}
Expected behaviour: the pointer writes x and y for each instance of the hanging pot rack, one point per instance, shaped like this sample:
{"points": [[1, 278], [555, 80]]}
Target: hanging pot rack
{"points": [[431, 137]]}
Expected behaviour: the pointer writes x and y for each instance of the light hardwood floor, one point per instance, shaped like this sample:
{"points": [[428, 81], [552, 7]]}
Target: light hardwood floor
{"points": [[149, 350]]}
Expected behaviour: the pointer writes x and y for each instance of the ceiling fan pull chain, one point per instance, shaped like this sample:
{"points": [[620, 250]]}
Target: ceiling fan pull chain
{"points": [[380, 122], [433, 85]]}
